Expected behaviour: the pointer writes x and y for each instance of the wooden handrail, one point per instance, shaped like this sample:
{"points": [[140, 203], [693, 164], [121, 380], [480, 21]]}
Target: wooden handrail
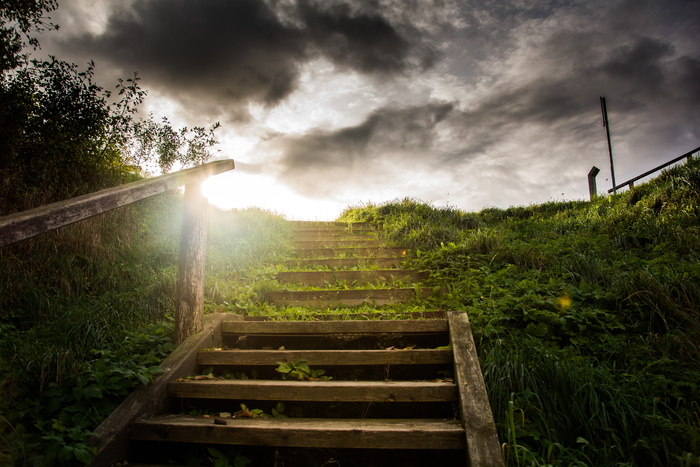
{"points": [[190, 282], [655, 169], [27, 224]]}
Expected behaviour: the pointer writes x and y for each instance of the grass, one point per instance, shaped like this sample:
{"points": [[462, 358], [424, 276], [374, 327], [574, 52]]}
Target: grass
{"points": [[586, 315], [86, 316]]}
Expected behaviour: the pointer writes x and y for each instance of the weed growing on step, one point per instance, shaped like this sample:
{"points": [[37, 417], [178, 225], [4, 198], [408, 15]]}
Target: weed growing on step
{"points": [[300, 370]]}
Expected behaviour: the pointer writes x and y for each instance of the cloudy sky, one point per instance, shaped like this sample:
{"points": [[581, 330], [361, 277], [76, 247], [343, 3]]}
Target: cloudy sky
{"points": [[466, 103]]}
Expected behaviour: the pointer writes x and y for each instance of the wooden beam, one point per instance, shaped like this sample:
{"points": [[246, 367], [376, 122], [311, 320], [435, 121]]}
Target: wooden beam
{"points": [[27, 224], [384, 262], [325, 357], [112, 441], [352, 252], [483, 447], [329, 391], [304, 432], [336, 327], [347, 297], [190, 278], [319, 278]]}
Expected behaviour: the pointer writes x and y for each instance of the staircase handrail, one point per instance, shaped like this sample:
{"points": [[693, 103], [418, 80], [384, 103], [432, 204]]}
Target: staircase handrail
{"points": [[190, 282], [631, 181]]}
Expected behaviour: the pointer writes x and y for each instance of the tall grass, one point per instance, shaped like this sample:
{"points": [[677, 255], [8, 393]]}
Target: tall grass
{"points": [[413, 224], [587, 316], [72, 299]]}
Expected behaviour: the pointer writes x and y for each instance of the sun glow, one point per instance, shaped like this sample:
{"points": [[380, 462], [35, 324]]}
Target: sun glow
{"points": [[240, 190]]}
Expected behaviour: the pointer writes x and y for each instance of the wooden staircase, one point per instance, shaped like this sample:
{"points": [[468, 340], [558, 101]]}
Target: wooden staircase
{"points": [[403, 392]]}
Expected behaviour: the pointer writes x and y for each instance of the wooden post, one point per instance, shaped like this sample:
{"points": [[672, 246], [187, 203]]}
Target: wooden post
{"points": [[483, 447], [189, 314], [592, 187]]}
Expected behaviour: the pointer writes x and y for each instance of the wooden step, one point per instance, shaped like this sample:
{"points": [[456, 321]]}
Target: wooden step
{"points": [[330, 226], [325, 357], [354, 252], [319, 278], [335, 243], [326, 235], [304, 432], [336, 327], [380, 262], [327, 391], [350, 297]]}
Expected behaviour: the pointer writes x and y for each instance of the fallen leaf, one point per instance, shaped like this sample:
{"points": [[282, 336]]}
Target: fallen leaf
{"points": [[243, 414]]}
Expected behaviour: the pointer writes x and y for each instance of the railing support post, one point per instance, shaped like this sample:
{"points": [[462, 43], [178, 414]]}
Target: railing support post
{"points": [[592, 188], [189, 314]]}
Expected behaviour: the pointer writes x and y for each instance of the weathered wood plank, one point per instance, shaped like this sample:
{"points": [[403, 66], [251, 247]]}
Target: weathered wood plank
{"points": [[325, 357], [27, 224], [326, 235], [335, 243], [483, 447], [350, 252], [381, 262], [329, 226], [305, 432], [319, 278], [112, 441], [349, 297], [328, 391], [190, 278], [335, 327]]}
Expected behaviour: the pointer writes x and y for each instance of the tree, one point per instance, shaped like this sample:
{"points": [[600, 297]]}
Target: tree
{"points": [[18, 19]]}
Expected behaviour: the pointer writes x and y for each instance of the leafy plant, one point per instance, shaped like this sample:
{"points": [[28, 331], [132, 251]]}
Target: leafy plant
{"points": [[299, 370]]}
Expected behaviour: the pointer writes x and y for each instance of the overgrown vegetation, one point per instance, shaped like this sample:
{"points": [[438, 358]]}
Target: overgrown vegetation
{"points": [[85, 312], [586, 315]]}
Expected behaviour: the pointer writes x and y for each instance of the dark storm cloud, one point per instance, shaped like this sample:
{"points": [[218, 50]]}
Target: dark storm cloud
{"points": [[248, 50], [363, 41], [386, 134], [554, 104]]}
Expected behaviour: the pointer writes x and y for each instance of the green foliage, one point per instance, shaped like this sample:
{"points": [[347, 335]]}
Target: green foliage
{"points": [[18, 19], [586, 316], [413, 224], [57, 424], [299, 370], [76, 303], [227, 458], [61, 137]]}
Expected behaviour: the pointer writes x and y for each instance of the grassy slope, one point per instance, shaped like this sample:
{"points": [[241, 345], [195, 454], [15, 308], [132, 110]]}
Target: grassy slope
{"points": [[586, 316], [86, 315]]}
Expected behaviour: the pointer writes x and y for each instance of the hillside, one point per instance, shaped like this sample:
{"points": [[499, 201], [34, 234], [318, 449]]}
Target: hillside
{"points": [[585, 316]]}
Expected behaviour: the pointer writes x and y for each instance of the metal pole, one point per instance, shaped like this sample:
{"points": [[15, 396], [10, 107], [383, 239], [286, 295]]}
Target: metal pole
{"points": [[606, 124]]}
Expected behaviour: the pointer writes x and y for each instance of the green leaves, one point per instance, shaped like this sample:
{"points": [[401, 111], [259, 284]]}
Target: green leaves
{"points": [[299, 370]]}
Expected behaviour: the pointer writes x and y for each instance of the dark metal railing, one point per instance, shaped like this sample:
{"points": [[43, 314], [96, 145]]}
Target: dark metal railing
{"points": [[631, 181]]}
